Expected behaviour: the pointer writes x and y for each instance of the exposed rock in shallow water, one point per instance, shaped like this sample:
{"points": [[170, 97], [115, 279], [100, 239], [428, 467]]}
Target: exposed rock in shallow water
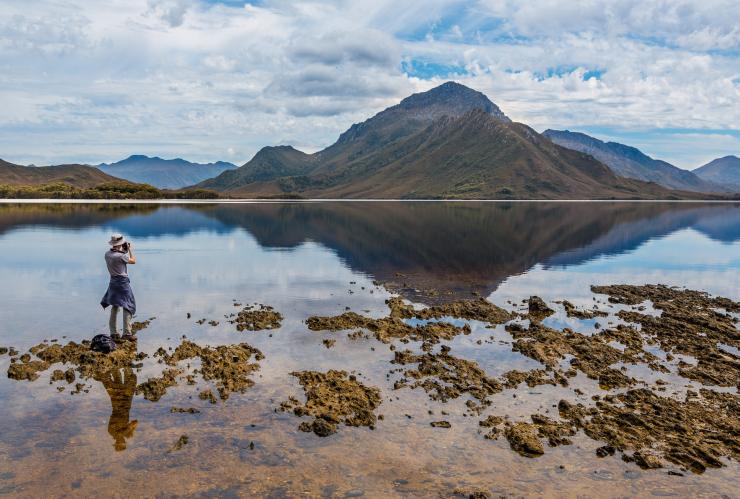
{"points": [[227, 365], [388, 328], [154, 388], [533, 378], [572, 311], [392, 327], [138, 326], [257, 318], [556, 433], [592, 355], [478, 310], [28, 371], [471, 493], [689, 324], [695, 433], [446, 377], [523, 439], [538, 309], [332, 398], [87, 362]]}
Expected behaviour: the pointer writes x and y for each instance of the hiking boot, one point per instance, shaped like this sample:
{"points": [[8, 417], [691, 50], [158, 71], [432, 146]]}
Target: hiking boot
{"points": [[129, 337]]}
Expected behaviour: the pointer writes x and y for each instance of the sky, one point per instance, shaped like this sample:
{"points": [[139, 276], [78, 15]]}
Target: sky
{"points": [[90, 81]]}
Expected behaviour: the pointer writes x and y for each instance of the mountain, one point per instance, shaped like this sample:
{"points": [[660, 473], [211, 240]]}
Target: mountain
{"points": [[80, 176], [723, 171], [269, 163], [164, 173], [631, 162], [448, 142]]}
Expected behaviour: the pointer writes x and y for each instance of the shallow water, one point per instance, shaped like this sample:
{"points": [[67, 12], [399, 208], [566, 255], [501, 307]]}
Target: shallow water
{"points": [[309, 259]]}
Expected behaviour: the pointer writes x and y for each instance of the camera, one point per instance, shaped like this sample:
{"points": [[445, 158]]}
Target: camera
{"points": [[125, 247]]}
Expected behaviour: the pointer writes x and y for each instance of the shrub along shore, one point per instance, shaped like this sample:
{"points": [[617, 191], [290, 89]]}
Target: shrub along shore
{"points": [[110, 190]]}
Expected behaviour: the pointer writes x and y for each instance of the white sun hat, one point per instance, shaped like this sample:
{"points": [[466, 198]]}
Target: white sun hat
{"points": [[116, 240]]}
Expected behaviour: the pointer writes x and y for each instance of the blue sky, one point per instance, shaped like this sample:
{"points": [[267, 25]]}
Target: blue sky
{"points": [[89, 81]]}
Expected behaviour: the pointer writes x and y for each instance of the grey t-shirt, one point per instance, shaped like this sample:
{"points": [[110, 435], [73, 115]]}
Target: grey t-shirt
{"points": [[116, 262]]}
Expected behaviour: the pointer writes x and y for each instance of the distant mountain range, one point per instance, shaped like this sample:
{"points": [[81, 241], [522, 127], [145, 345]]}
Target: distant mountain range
{"points": [[81, 176], [164, 173], [448, 142], [632, 163], [723, 171]]}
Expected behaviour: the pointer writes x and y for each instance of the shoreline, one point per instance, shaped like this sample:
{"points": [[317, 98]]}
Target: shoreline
{"points": [[343, 200]]}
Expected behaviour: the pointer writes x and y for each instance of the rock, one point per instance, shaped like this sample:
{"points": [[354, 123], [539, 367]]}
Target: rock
{"points": [[334, 397], [257, 318], [538, 309], [523, 439], [181, 442]]}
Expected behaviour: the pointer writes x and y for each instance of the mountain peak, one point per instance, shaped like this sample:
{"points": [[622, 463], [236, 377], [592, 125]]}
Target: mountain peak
{"points": [[724, 171], [452, 99]]}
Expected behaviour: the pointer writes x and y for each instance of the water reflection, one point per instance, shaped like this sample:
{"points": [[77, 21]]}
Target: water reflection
{"points": [[120, 384], [449, 248]]}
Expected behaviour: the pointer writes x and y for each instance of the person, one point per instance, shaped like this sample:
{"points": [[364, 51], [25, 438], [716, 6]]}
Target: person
{"points": [[119, 295]]}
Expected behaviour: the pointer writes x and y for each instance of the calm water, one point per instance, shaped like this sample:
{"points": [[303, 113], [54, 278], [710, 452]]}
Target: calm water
{"points": [[317, 259]]}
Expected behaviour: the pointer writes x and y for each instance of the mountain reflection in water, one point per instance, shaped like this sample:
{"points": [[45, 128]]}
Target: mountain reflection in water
{"points": [[424, 250]]}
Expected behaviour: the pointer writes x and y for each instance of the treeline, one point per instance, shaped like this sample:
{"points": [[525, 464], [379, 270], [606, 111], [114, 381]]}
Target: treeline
{"points": [[110, 190]]}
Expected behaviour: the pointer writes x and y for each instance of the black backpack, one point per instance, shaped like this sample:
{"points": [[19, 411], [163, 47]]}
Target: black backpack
{"points": [[102, 343]]}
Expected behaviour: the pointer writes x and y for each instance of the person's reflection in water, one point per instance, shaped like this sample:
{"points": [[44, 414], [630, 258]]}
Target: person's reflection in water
{"points": [[121, 386]]}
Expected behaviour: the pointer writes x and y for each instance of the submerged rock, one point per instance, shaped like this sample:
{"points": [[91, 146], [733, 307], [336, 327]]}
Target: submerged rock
{"points": [[181, 442]]}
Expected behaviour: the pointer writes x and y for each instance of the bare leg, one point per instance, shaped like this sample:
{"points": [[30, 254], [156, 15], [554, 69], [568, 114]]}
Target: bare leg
{"points": [[112, 320], [126, 322]]}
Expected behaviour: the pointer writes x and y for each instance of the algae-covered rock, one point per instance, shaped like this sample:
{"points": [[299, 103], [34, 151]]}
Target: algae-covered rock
{"points": [[334, 397], [523, 439], [257, 318]]}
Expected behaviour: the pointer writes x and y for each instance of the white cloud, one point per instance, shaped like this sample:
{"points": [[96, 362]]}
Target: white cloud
{"points": [[92, 81], [171, 12]]}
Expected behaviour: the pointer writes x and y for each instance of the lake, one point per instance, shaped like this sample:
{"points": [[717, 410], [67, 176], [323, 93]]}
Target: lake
{"points": [[208, 261]]}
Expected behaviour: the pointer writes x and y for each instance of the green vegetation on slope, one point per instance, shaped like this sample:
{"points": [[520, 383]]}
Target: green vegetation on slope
{"points": [[108, 190]]}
